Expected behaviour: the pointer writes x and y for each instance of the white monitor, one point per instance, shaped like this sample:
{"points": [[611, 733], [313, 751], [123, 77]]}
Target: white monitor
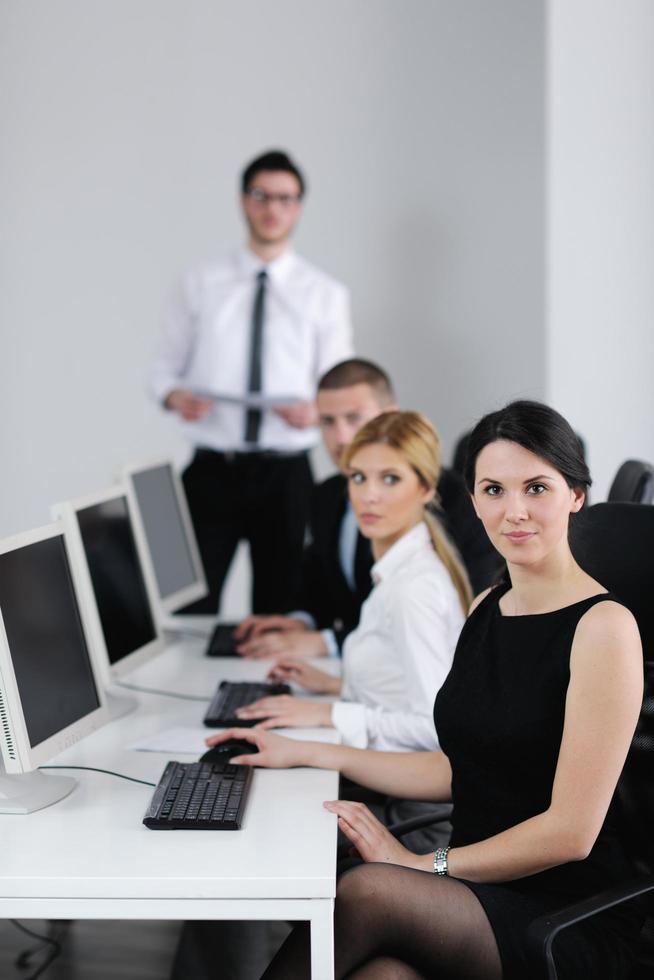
{"points": [[50, 693], [164, 527], [103, 544]]}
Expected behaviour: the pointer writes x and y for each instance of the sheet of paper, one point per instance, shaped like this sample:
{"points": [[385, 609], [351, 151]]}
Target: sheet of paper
{"points": [[249, 399], [190, 741]]}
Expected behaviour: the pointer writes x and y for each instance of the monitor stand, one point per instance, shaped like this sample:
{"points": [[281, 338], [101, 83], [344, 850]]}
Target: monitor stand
{"points": [[26, 792]]}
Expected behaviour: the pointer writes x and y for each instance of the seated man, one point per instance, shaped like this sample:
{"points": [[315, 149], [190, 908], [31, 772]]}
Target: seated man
{"points": [[336, 564]]}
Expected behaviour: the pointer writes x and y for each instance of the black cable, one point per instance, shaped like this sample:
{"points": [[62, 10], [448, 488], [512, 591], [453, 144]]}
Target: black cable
{"points": [[109, 772], [23, 959], [167, 694]]}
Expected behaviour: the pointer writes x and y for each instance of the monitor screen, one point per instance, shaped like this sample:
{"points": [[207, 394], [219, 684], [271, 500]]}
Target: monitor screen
{"points": [[164, 529], [115, 571], [44, 631]]}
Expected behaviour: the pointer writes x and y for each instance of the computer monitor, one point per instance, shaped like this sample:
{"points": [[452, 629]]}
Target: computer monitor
{"points": [[50, 693], [163, 525], [103, 544]]}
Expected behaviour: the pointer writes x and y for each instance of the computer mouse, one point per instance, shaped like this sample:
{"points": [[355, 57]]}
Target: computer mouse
{"points": [[228, 750]]}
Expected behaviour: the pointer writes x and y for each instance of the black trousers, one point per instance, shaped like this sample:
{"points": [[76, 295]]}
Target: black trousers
{"points": [[262, 498]]}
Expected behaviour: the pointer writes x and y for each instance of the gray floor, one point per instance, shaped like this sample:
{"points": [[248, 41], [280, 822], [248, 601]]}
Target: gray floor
{"points": [[142, 950], [94, 950]]}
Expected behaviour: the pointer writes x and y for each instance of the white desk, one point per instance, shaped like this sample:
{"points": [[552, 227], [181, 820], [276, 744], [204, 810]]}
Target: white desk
{"points": [[90, 857]]}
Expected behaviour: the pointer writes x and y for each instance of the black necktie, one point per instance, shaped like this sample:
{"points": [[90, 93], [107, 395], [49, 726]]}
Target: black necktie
{"points": [[253, 418]]}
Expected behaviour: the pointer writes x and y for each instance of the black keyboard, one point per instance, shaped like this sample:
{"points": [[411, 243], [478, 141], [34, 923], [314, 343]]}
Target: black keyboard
{"points": [[232, 695], [222, 643], [199, 796]]}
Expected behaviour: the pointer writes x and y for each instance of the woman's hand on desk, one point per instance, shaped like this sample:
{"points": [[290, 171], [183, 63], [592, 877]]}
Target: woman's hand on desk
{"points": [[309, 677], [294, 643], [286, 711], [370, 839], [272, 751]]}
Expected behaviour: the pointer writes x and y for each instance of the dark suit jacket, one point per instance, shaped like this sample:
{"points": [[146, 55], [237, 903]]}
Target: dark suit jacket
{"points": [[324, 591]]}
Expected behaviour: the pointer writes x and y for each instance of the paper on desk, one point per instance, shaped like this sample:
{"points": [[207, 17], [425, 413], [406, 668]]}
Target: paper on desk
{"points": [[190, 741], [250, 399], [181, 740]]}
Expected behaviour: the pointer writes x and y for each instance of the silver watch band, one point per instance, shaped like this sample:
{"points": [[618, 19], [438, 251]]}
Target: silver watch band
{"points": [[440, 860]]}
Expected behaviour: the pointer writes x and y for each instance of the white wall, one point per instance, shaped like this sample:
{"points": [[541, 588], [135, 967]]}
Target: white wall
{"points": [[600, 288], [123, 127]]}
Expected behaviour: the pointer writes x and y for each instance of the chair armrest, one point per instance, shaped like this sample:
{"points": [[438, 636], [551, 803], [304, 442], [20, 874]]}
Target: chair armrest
{"points": [[543, 930], [417, 823]]}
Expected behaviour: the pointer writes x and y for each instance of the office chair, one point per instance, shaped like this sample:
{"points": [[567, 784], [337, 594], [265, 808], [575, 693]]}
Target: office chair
{"points": [[614, 542], [633, 483], [636, 790]]}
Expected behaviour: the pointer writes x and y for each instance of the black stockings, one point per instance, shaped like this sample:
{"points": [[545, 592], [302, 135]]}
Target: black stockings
{"points": [[394, 923]]}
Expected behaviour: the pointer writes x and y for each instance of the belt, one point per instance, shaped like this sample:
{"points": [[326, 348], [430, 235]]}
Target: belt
{"points": [[237, 456]]}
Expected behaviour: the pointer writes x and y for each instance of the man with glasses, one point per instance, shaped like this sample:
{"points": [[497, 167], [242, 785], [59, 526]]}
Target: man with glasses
{"points": [[242, 350]]}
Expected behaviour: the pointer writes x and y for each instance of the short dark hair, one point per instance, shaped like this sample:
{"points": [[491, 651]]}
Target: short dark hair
{"points": [[538, 428], [357, 371], [271, 160]]}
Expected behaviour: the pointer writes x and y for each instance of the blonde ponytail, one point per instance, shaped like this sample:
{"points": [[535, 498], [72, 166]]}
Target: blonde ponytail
{"points": [[450, 558]]}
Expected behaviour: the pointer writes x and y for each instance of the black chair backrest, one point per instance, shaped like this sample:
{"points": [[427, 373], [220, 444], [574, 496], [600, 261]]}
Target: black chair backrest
{"points": [[636, 787], [460, 451], [614, 542], [633, 483]]}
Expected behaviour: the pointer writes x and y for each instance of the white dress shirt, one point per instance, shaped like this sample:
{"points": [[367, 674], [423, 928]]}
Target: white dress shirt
{"points": [[206, 340], [397, 658]]}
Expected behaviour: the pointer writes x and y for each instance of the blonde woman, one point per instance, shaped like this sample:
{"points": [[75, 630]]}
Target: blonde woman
{"points": [[401, 652]]}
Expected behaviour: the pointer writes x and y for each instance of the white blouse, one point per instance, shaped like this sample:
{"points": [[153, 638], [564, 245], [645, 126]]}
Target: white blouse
{"points": [[397, 658]]}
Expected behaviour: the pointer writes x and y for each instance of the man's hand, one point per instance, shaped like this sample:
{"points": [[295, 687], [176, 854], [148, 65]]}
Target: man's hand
{"points": [[292, 643], [371, 840], [300, 672], [189, 406], [299, 415], [252, 626], [285, 711]]}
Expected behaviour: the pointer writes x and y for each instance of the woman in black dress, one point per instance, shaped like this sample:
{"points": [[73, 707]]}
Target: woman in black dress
{"points": [[535, 721]]}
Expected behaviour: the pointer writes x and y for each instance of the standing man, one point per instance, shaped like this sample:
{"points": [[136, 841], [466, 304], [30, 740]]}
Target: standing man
{"points": [[255, 330], [336, 565]]}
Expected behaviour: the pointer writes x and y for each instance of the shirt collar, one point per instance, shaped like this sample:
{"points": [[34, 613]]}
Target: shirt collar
{"points": [[401, 552], [250, 264]]}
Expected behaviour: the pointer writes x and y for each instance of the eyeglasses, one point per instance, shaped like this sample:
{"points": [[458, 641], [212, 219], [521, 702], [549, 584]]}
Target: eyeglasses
{"points": [[262, 197]]}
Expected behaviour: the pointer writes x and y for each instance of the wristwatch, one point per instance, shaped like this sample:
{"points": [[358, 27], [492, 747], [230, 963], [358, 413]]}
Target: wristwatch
{"points": [[440, 860]]}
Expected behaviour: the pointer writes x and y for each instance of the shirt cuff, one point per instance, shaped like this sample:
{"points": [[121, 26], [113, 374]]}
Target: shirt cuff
{"points": [[304, 617], [350, 719], [160, 388], [331, 643]]}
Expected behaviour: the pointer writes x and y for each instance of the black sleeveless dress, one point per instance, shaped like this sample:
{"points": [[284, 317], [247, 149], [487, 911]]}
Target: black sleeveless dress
{"points": [[499, 717]]}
